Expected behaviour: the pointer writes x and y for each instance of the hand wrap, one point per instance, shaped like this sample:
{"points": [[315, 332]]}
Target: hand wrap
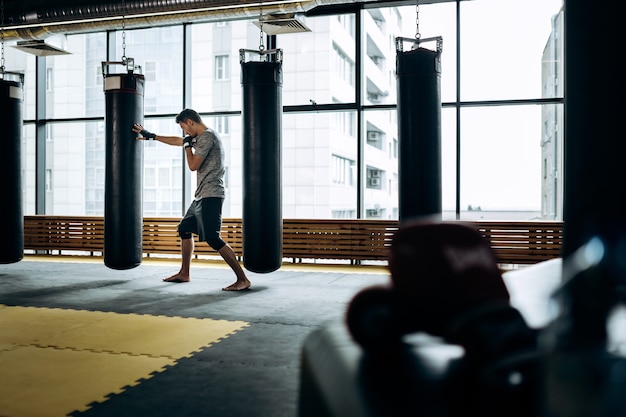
{"points": [[147, 134]]}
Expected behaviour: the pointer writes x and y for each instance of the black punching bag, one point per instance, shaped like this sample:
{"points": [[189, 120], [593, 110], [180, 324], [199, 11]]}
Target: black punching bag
{"points": [[262, 199], [123, 211], [419, 133], [11, 210]]}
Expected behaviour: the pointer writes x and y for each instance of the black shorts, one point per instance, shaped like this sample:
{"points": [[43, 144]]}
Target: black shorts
{"points": [[204, 218]]}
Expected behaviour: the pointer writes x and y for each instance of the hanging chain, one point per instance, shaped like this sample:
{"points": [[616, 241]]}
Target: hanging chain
{"points": [[261, 45], [417, 20], [123, 31], [2, 39]]}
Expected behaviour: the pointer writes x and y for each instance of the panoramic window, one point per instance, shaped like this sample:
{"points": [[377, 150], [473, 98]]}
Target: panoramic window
{"points": [[501, 141]]}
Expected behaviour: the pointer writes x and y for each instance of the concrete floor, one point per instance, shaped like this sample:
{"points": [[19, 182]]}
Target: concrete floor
{"points": [[253, 371]]}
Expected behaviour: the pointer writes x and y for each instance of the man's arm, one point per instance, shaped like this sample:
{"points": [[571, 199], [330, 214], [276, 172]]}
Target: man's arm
{"points": [[193, 161], [147, 135]]}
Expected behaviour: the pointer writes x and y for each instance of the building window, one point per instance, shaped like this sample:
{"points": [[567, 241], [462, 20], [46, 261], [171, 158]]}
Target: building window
{"points": [[343, 214], [375, 138], [345, 123], [221, 67], [98, 75], [374, 178], [48, 132], [49, 79], [150, 71], [48, 179], [342, 170], [347, 21], [222, 125], [164, 177], [343, 66], [374, 213], [150, 104], [149, 179]]}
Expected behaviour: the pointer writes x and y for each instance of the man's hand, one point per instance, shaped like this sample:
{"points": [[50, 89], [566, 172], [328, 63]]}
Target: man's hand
{"points": [[137, 128], [187, 141]]}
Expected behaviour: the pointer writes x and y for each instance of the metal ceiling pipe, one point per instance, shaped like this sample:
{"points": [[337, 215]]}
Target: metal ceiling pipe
{"points": [[70, 18], [59, 11]]}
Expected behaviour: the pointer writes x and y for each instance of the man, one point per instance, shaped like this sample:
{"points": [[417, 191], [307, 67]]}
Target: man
{"points": [[205, 156]]}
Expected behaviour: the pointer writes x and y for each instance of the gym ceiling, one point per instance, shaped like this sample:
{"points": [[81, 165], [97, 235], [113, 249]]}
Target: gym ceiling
{"points": [[39, 19]]}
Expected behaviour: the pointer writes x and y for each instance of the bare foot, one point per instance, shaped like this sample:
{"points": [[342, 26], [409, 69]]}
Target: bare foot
{"points": [[177, 278], [238, 286]]}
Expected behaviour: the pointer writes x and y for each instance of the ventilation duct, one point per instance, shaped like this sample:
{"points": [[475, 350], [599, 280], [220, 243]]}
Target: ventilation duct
{"points": [[53, 45], [279, 24]]}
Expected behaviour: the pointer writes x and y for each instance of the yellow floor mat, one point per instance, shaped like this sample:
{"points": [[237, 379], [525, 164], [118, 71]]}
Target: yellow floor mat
{"points": [[56, 361]]}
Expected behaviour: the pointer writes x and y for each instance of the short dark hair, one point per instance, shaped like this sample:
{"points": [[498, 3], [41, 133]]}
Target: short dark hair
{"points": [[188, 114]]}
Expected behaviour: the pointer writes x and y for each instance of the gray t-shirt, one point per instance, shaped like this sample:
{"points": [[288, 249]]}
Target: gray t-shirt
{"points": [[210, 175]]}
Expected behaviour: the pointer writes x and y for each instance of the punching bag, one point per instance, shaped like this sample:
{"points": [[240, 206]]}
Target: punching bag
{"points": [[262, 200], [123, 210], [11, 210], [419, 133]]}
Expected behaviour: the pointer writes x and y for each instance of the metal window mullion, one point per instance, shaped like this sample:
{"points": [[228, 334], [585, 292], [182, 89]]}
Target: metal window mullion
{"points": [[358, 68], [187, 42], [40, 135], [458, 111]]}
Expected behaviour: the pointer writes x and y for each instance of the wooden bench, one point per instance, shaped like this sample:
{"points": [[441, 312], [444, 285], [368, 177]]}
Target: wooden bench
{"points": [[354, 240], [64, 233], [527, 242]]}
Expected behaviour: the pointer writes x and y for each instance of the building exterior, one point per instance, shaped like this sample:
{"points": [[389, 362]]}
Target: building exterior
{"points": [[551, 127]]}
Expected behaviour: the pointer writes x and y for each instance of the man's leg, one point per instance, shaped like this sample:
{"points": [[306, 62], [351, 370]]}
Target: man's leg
{"points": [[186, 250], [186, 227], [229, 256], [210, 227]]}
